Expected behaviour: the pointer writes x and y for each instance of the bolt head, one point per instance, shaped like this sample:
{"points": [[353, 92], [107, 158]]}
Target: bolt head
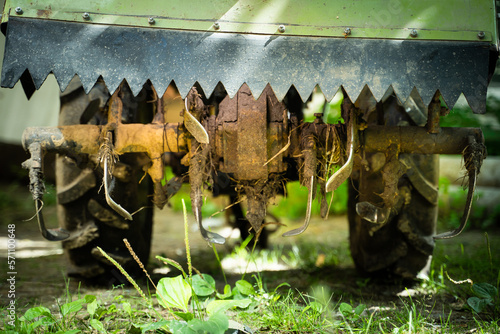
{"points": [[481, 35], [19, 11], [414, 33], [347, 31], [281, 28], [86, 16], [151, 20], [216, 26]]}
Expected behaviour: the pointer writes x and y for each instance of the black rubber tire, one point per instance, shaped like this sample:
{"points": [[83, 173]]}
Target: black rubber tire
{"points": [[82, 208], [403, 246]]}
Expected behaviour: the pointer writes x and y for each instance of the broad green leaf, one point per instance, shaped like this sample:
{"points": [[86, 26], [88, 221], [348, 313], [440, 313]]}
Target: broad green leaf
{"points": [[36, 312], [72, 307], [155, 325], [485, 290], [127, 308], [184, 316], [179, 327], [174, 292], [345, 308], [216, 324], [477, 304], [111, 309], [219, 306], [245, 288], [227, 292], [203, 286], [92, 307], [134, 330], [44, 322], [72, 331], [359, 309], [89, 298], [97, 325]]}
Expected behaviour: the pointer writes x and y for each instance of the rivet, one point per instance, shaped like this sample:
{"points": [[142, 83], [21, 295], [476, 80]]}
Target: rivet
{"points": [[480, 35], [414, 33], [216, 26], [19, 11], [151, 20], [281, 28], [86, 16], [347, 31]]}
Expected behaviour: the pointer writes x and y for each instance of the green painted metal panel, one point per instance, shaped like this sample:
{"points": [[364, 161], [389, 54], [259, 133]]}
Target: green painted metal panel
{"points": [[393, 19]]}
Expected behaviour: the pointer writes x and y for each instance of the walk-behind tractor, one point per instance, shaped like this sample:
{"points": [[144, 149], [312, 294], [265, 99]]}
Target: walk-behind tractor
{"points": [[242, 72]]}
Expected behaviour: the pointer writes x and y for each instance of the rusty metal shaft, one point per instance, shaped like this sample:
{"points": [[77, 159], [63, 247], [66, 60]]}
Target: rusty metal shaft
{"points": [[416, 140], [152, 139]]}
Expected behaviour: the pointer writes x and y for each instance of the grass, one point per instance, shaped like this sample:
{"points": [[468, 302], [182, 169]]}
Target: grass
{"points": [[316, 291], [313, 299]]}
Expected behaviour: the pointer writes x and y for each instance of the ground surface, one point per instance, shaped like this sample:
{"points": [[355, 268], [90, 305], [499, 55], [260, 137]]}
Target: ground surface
{"points": [[40, 265]]}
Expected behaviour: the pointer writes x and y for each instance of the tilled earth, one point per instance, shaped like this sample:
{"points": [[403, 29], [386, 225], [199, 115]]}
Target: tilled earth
{"points": [[40, 265]]}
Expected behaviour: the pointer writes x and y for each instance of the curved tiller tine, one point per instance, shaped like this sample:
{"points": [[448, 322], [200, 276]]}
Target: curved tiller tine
{"points": [[51, 234], [194, 126], [467, 209], [106, 156], [473, 156], [196, 180], [304, 226], [345, 171], [115, 206], [211, 237]]}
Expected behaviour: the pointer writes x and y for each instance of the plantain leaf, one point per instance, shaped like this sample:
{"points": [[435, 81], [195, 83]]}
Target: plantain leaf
{"points": [[477, 304], [203, 286], [485, 290], [36, 312], [345, 309], [216, 324], [72, 307], [97, 325], [219, 306], [245, 288], [227, 292], [174, 292]]}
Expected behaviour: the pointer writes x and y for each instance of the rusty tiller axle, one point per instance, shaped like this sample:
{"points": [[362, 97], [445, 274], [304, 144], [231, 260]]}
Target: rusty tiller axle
{"points": [[201, 136]]}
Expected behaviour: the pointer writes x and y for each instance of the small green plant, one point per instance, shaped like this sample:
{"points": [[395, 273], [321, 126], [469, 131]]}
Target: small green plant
{"points": [[192, 300], [42, 320], [485, 298], [351, 313]]}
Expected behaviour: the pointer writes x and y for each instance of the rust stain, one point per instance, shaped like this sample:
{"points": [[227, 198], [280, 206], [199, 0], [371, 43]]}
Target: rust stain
{"points": [[44, 13]]}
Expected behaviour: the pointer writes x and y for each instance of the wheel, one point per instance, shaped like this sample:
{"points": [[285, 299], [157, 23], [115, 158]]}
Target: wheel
{"points": [[402, 244], [82, 208]]}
